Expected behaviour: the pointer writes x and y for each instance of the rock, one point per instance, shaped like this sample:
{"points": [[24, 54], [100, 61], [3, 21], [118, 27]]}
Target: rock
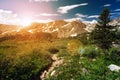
{"points": [[53, 73], [43, 74], [93, 59], [113, 67]]}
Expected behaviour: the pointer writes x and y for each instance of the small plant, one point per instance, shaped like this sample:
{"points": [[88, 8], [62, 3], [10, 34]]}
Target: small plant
{"points": [[90, 52], [63, 53], [114, 54]]}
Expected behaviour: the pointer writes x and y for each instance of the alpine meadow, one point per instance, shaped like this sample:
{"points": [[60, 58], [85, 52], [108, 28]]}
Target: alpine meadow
{"points": [[59, 40]]}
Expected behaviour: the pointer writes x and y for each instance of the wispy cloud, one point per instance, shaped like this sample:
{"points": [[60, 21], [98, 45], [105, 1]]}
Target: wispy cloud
{"points": [[8, 17], [93, 16], [115, 13], [107, 5], [41, 0], [73, 19], [65, 9], [86, 16], [117, 10], [81, 15], [47, 14], [92, 22]]}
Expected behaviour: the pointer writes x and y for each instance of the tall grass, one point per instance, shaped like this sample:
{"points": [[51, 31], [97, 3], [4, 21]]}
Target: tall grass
{"points": [[22, 60]]}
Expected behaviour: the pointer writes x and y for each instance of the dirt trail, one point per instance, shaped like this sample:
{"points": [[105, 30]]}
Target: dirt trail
{"points": [[56, 63]]}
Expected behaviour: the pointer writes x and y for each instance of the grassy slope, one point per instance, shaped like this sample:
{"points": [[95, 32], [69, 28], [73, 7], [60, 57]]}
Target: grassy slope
{"points": [[88, 64], [22, 60]]}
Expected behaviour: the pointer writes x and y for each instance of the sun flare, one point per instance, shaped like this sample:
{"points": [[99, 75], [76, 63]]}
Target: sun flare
{"points": [[26, 22]]}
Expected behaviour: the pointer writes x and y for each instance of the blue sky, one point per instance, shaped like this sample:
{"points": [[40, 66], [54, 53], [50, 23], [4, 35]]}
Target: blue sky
{"points": [[13, 11]]}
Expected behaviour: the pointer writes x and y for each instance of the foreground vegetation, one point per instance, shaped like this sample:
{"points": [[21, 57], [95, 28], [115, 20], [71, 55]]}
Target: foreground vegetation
{"points": [[89, 63], [21, 60], [25, 60]]}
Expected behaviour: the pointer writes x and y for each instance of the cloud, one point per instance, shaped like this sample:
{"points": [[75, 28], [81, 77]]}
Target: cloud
{"points": [[41, 0], [8, 17], [47, 14], [91, 22], [81, 15], [93, 16], [117, 10], [86, 16], [65, 9], [107, 5], [115, 13], [74, 19]]}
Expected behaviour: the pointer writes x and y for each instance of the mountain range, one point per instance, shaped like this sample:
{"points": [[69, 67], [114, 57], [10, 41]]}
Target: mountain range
{"points": [[57, 28], [61, 28]]}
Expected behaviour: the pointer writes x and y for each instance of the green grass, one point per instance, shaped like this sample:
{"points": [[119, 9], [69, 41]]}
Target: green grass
{"points": [[24, 60], [90, 64]]}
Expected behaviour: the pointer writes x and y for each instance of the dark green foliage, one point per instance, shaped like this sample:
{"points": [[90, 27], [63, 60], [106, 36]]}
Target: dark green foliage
{"points": [[79, 67], [22, 67], [84, 38], [118, 37], [104, 34], [114, 55], [91, 52]]}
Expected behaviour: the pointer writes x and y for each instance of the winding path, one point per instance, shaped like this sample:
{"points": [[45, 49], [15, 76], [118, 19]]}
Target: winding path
{"points": [[56, 63]]}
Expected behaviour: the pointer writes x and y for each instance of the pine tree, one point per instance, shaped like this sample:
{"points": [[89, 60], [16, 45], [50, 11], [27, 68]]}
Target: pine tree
{"points": [[104, 34]]}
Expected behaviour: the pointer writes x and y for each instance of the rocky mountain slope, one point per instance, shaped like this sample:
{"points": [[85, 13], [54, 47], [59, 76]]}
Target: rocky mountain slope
{"points": [[91, 25], [58, 28], [115, 22], [7, 28]]}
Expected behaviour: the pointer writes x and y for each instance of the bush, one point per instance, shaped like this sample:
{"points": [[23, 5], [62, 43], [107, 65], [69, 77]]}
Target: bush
{"points": [[84, 38], [114, 54], [23, 67], [63, 53], [90, 52]]}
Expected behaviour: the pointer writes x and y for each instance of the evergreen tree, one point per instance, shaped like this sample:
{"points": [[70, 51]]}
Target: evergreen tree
{"points": [[104, 34]]}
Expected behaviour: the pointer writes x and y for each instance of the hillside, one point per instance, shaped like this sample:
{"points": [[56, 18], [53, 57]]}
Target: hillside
{"points": [[7, 28], [58, 28]]}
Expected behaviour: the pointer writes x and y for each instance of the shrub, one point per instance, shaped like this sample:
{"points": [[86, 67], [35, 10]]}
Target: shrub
{"points": [[114, 54], [63, 53], [23, 67], [72, 46], [90, 52], [84, 38]]}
